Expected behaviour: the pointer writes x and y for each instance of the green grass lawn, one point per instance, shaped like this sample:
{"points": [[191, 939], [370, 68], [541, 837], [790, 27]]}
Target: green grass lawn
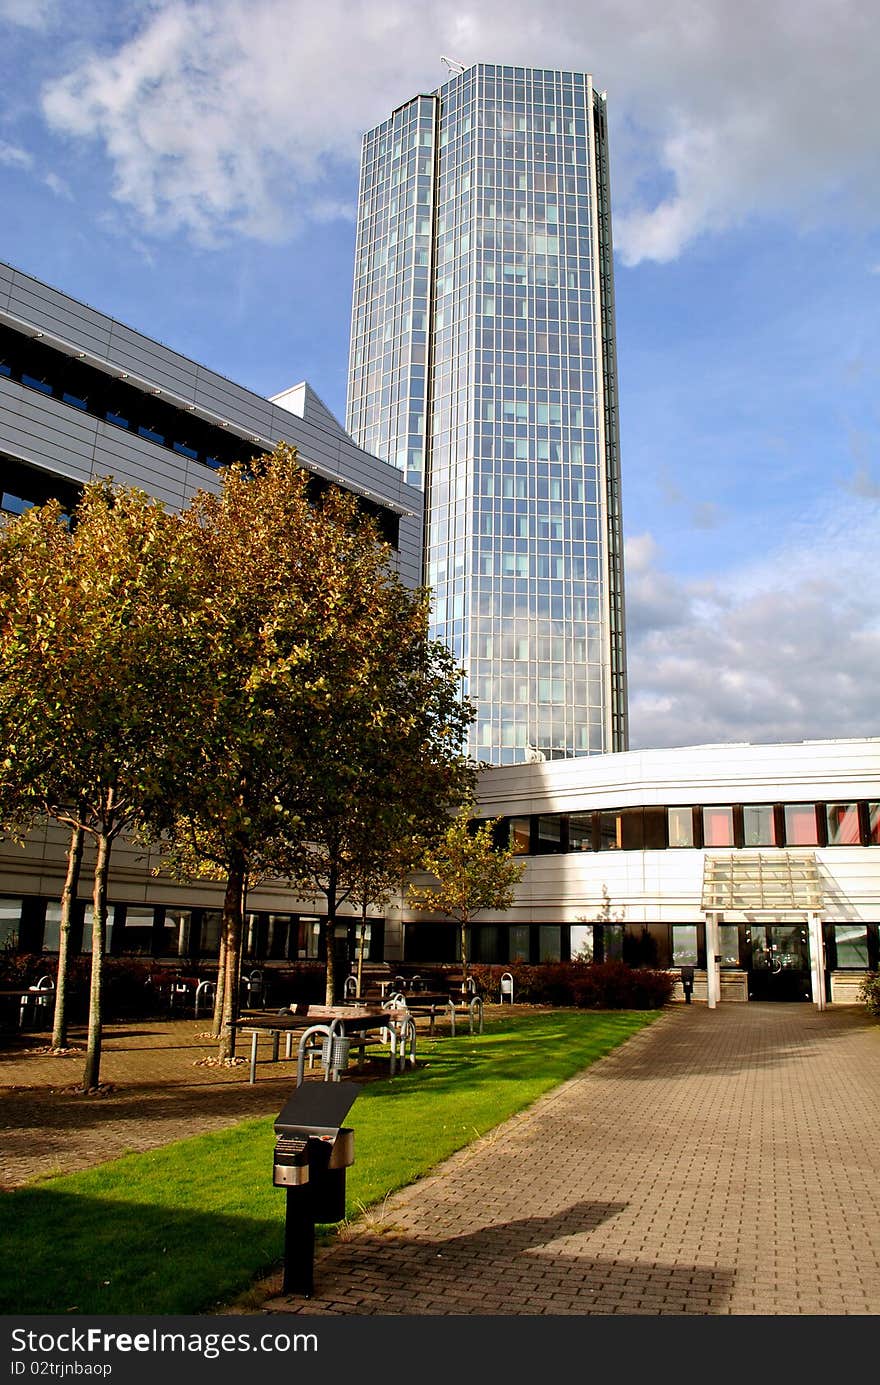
{"points": [[188, 1226]]}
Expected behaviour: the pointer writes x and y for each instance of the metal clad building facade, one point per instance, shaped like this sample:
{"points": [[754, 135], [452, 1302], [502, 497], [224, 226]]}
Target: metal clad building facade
{"points": [[83, 396]]}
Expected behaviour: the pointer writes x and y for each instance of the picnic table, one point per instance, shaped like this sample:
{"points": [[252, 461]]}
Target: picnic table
{"points": [[432, 1003], [347, 1021], [14, 1001]]}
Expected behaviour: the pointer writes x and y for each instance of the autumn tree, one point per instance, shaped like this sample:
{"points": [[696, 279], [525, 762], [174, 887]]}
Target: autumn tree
{"points": [[261, 552], [33, 551], [385, 766], [472, 873], [313, 696], [101, 670]]}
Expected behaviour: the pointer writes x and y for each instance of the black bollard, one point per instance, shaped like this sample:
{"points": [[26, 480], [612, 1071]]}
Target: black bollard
{"points": [[299, 1243]]}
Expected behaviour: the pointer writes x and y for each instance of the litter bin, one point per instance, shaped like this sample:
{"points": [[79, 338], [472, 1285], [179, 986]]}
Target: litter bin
{"points": [[312, 1152], [687, 983]]}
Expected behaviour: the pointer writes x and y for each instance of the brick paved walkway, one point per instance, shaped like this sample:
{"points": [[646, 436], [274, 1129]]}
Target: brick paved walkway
{"points": [[718, 1163], [159, 1094]]}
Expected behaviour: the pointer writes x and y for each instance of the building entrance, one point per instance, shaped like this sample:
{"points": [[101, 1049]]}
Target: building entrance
{"points": [[778, 961]]}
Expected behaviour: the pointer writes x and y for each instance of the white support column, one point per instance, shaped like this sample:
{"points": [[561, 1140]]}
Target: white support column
{"points": [[713, 977], [817, 961]]}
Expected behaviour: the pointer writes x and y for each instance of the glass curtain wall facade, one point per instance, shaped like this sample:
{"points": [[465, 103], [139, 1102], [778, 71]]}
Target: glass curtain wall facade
{"points": [[483, 365]]}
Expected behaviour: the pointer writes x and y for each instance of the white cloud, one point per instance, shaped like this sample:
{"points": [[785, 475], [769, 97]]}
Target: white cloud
{"points": [[13, 157], [222, 115], [786, 650], [29, 14], [59, 186]]}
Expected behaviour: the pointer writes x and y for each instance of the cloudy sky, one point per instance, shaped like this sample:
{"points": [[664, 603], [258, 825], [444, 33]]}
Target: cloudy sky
{"points": [[190, 166]]}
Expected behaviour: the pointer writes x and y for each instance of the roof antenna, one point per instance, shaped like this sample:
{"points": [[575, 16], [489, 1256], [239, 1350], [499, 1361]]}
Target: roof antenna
{"points": [[455, 67]]}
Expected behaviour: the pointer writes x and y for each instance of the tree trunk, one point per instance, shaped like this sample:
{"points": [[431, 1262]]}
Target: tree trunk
{"points": [[464, 956], [231, 955], [220, 992], [331, 891], [91, 1075], [361, 940], [68, 898]]}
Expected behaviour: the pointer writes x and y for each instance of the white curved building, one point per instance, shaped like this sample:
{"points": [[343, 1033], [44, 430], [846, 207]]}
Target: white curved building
{"points": [[763, 860]]}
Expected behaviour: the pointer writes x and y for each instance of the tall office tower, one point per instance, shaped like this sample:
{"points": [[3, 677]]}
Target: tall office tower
{"points": [[483, 365]]}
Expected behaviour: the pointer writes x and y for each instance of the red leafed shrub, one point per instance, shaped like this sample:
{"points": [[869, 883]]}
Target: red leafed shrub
{"points": [[126, 993], [587, 985]]}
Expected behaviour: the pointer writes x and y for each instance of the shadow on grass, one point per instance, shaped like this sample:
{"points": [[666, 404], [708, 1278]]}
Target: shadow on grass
{"points": [[183, 1227], [65, 1253]]}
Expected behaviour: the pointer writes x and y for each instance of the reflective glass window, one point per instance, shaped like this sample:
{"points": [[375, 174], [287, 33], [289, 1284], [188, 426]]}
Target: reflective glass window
{"points": [[486, 949], [87, 929], [684, 944], [717, 826], [647, 945], [728, 944], [52, 927], [680, 826], [209, 935], [580, 832], [549, 942], [309, 940], [654, 829], [631, 829], [609, 832], [800, 824], [612, 938], [842, 820], [520, 836], [851, 945], [874, 823], [176, 933], [518, 943], [581, 942], [10, 921], [279, 929], [138, 931], [251, 935], [549, 833], [759, 825]]}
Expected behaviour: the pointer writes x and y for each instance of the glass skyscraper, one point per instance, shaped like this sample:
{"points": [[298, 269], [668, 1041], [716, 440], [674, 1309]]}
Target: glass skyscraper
{"points": [[483, 365]]}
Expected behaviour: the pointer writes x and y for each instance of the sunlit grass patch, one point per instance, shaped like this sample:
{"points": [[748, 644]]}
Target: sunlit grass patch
{"points": [[187, 1226]]}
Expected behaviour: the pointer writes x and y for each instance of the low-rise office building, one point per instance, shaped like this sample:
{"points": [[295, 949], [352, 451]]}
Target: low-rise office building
{"points": [[83, 396], [757, 865]]}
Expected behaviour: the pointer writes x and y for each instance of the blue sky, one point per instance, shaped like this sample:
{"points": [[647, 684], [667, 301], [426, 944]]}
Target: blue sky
{"points": [[190, 166]]}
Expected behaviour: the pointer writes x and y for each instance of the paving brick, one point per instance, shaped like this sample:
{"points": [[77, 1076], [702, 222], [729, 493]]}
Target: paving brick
{"points": [[696, 1170], [718, 1163]]}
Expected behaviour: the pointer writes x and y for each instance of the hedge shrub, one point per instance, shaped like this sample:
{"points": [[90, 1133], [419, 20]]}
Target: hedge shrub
{"points": [[870, 992], [587, 985]]}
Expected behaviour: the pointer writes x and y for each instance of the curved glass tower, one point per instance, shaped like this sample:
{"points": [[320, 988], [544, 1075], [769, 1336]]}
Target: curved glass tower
{"points": [[483, 365]]}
